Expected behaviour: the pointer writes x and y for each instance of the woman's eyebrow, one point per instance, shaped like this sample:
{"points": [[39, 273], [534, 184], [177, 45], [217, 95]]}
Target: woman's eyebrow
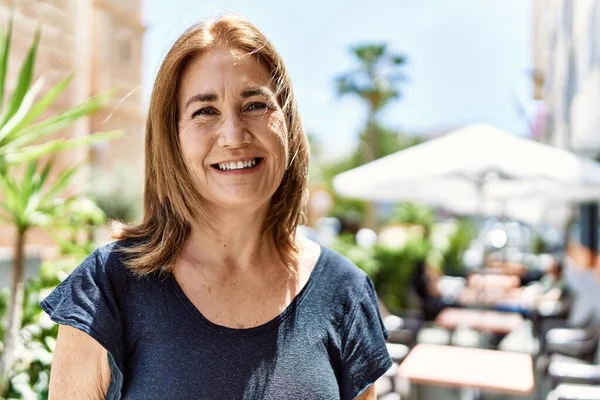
{"points": [[201, 97], [260, 91], [208, 97]]}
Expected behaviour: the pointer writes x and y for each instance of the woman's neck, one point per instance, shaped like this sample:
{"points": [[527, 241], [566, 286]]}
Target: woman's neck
{"points": [[234, 239]]}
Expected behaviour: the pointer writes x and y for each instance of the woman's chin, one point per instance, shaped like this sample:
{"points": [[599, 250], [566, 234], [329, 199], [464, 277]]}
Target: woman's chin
{"points": [[242, 201]]}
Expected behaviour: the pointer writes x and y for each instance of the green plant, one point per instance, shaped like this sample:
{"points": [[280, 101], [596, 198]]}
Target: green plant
{"points": [[30, 202], [394, 279], [414, 214], [20, 130], [29, 376], [538, 244], [363, 257], [391, 269], [458, 242], [33, 201]]}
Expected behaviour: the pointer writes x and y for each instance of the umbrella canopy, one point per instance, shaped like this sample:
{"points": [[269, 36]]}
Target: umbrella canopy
{"points": [[473, 162], [471, 166]]}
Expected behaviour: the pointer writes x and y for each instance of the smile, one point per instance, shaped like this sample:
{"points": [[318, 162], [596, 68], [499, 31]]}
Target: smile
{"points": [[238, 165]]}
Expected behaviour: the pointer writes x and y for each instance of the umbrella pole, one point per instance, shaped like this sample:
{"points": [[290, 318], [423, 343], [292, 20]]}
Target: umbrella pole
{"points": [[481, 198], [503, 219]]}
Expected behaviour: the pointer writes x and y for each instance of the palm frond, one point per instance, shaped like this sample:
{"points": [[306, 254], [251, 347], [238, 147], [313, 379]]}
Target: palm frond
{"points": [[23, 81], [36, 151], [398, 59], [38, 183], [28, 179], [28, 101], [60, 184], [4, 55], [12, 197], [32, 133], [29, 112]]}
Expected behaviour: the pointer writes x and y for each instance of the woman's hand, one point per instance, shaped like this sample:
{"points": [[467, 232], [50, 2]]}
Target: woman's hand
{"points": [[80, 367]]}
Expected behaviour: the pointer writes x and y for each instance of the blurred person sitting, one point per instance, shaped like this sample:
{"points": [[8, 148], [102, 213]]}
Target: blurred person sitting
{"points": [[552, 287], [519, 269], [425, 283]]}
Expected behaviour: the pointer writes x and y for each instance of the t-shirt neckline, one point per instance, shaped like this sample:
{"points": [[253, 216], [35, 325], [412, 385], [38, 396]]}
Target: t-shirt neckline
{"points": [[273, 323]]}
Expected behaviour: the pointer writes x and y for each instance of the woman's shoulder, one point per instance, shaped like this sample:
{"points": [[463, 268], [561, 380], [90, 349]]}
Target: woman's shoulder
{"points": [[107, 260], [341, 273]]}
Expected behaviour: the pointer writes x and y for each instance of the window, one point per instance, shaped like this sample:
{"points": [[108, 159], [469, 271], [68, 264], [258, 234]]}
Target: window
{"points": [[594, 32], [567, 17]]}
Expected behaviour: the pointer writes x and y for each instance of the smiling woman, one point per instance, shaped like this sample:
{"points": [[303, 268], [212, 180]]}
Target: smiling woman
{"points": [[212, 295]]}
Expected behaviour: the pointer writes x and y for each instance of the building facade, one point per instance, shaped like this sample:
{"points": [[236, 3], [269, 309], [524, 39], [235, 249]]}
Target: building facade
{"points": [[100, 41], [566, 35], [567, 64]]}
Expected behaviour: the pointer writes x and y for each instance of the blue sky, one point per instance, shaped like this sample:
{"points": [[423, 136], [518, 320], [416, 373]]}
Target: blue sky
{"points": [[468, 59]]}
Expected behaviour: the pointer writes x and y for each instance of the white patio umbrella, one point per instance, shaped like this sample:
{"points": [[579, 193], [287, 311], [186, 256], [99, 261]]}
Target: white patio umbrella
{"points": [[476, 164]]}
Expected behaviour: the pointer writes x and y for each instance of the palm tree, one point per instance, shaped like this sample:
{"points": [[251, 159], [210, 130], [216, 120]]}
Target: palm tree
{"points": [[20, 130], [32, 201], [376, 81]]}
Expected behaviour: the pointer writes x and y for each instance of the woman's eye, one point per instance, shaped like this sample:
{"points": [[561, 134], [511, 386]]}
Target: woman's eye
{"points": [[205, 111], [255, 106]]}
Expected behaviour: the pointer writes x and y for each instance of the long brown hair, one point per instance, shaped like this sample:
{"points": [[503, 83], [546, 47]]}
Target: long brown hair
{"points": [[171, 201]]}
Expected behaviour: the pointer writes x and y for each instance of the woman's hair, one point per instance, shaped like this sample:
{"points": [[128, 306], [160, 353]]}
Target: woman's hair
{"points": [[171, 202]]}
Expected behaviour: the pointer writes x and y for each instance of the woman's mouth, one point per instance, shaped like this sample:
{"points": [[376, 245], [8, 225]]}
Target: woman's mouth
{"points": [[241, 165]]}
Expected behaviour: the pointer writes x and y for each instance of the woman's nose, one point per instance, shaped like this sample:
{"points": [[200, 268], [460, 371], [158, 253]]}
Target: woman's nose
{"points": [[233, 133]]}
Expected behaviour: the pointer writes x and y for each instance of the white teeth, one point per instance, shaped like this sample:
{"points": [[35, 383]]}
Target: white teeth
{"points": [[237, 164]]}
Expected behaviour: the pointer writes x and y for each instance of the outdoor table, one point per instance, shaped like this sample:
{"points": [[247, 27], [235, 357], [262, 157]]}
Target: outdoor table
{"points": [[509, 268], [479, 320], [482, 298], [494, 298], [469, 368], [493, 281]]}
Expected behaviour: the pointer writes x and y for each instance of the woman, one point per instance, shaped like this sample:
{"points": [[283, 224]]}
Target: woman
{"points": [[212, 296]]}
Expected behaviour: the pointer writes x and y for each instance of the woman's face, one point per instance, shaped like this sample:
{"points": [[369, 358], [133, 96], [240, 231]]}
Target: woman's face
{"points": [[232, 130]]}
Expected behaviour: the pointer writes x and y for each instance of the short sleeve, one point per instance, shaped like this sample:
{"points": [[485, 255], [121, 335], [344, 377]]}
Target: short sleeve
{"points": [[364, 353], [86, 300]]}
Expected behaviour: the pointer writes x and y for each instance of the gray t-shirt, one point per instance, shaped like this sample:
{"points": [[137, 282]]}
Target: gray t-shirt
{"points": [[329, 343]]}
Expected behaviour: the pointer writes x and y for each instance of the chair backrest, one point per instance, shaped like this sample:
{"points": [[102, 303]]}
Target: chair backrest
{"points": [[593, 325], [588, 321], [593, 330]]}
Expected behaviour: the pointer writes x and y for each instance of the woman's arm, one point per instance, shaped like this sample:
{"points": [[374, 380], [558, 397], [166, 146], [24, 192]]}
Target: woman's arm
{"points": [[368, 394], [80, 367]]}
